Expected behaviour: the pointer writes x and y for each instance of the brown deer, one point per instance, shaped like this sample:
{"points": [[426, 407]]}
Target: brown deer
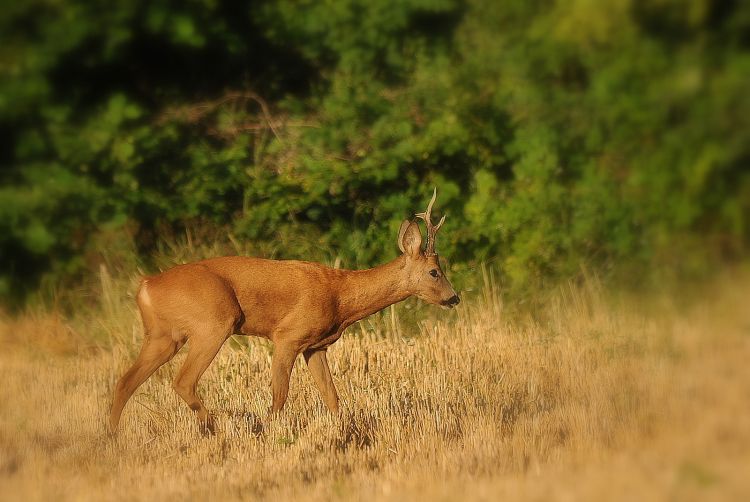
{"points": [[300, 306]]}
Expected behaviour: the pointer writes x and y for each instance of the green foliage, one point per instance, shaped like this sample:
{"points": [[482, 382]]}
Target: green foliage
{"points": [[601, 134]]}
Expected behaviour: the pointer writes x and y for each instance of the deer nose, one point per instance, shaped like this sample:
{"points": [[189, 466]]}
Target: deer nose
{"points": [[454, 300]]}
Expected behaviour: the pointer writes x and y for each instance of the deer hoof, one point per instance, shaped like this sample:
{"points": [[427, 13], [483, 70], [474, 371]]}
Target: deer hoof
{"points": [[208, 426]]}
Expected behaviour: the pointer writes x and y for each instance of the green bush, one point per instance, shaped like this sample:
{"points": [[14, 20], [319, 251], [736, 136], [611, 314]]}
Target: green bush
{"points": [[612, 135]]}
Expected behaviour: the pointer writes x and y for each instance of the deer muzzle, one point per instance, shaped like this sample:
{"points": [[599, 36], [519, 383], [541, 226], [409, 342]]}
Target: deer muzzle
{"points": [[451, 302]]}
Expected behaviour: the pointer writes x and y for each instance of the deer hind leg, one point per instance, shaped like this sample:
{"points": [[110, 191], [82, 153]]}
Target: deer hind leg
{"points": [[203, 349], [157, 349], [282, 363]]}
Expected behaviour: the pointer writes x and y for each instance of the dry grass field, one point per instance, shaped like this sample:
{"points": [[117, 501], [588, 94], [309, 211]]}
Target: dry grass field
{"points": [[588, 397]]}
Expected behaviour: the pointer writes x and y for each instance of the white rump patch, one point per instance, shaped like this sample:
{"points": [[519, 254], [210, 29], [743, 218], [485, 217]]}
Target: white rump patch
{"points": [[143, 295]]}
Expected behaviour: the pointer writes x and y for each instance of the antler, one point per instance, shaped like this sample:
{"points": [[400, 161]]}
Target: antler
{"points": [[431, 229]]}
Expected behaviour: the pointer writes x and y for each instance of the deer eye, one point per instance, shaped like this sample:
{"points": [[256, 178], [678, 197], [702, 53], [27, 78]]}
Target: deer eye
{"points": [[434, 272]]}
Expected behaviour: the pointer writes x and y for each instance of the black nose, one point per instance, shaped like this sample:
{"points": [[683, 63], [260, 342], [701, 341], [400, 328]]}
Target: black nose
{"points": [[455, 300]]}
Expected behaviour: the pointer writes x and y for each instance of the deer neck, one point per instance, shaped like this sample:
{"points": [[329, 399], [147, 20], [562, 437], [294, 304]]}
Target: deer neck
{"points": [[364, 292]]}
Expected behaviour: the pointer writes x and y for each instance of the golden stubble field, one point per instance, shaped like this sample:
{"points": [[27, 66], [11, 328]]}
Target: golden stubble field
{"points": [[588, 398]]}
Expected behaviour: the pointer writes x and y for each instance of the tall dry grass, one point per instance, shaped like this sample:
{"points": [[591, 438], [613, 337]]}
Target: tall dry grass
{"points": [[587, 397]]}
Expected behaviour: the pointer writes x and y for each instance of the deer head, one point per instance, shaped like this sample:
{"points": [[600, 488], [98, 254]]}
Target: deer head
{"points": [[425, 278]]}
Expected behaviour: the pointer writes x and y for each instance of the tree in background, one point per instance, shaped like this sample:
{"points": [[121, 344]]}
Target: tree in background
{"points": [[610, 134]]}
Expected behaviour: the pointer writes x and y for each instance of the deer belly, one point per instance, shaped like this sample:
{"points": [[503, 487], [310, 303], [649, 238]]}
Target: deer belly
{"points": [[326, 340], [256, 325]]}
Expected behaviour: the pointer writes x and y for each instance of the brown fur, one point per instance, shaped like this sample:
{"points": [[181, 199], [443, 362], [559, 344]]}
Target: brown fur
{"points": [[302, 307]]}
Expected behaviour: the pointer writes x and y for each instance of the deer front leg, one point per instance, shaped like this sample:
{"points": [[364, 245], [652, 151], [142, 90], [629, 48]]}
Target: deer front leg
{"points": [[317, 363], [281, 369]]}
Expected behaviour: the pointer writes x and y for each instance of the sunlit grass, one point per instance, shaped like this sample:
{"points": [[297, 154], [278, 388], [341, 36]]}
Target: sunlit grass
{"points": [[584, 398]]}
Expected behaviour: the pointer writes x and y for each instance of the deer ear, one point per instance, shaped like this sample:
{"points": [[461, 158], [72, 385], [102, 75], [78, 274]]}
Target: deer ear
{"points": [[410, 238]]}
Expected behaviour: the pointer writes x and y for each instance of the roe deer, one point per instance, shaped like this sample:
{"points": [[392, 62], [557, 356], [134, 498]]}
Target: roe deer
{"points": [[300, 306]]}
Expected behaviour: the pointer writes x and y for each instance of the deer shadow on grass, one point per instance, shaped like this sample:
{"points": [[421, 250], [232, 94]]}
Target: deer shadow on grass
{"points": [[348, 430], [249, 421], [356, 430]]}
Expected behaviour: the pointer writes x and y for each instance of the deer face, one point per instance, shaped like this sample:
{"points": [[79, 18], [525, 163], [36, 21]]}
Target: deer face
{"points": [[428, 282], [424, 276]]}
